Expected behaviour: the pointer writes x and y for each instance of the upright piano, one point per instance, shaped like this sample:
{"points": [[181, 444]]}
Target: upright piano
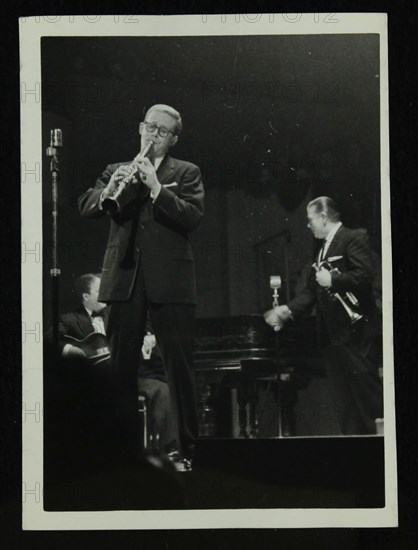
{"points": [[240, 361]]}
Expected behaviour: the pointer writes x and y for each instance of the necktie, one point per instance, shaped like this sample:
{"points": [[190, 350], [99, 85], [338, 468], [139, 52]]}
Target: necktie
{"points": [[98, 313], [321, 254], [324, 249]]}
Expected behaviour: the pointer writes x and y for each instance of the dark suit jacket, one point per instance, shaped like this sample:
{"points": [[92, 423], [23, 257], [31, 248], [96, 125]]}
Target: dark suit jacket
{"points": [[357, 272], [152, 235], [77, 324]]}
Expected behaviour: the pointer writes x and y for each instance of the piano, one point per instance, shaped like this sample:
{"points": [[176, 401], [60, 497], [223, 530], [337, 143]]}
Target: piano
{"points": [[240, 361]]}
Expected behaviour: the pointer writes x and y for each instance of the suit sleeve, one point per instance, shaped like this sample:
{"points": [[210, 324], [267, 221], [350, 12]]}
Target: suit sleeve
{"points": [[184, 210], [62, 331], [360, 272], [89, 202], [305, 300]]}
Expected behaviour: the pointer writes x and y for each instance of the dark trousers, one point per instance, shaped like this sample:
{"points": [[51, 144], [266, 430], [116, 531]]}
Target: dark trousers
{"points": [[173, 325], [160, 411], [358, 390]]}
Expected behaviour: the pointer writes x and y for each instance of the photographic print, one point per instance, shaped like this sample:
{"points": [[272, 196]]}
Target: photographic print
{"points": [[206, 255]]}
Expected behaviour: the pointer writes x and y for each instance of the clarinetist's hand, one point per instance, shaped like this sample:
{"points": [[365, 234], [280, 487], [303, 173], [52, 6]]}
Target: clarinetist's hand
{"points": [[117, 177], [147, 174]]}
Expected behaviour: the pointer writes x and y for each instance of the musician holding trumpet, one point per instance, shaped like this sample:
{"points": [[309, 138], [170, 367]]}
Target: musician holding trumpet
{"points": [[340, 285], [153, 202]]}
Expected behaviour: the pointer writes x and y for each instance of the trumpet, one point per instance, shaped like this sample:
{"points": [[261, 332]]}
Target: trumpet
{"points": [[111, 204], [348, 301]]}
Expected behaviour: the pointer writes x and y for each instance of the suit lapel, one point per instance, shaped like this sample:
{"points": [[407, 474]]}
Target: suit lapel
{"points": [[84, 322], [164, 173], [334, 242], [106, 317], [166, 169]]}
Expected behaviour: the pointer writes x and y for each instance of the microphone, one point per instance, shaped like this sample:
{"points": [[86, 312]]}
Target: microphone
{"points": [[275, 284], [56, 138], [55, 142]]}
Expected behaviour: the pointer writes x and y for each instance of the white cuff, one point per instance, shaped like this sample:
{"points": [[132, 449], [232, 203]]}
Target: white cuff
{"points": [[66, 349], [154, 194]]}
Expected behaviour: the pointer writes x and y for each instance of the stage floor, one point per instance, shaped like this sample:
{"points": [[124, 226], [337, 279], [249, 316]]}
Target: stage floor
{"points": [[337, 472]]}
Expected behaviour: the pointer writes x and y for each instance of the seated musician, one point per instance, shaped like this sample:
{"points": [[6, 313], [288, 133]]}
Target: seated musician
{"points": [[152, 383], [91, 317]]}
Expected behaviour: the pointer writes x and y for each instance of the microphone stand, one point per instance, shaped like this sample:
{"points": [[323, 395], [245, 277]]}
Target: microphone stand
{"points": [[52, 152], [286, 234], [275, 285]]}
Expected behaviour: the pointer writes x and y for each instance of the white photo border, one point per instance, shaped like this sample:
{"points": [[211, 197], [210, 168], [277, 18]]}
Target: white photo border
{"points": [[32, 29]]}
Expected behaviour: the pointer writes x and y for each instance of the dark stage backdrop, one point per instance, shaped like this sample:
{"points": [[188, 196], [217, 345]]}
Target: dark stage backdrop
{"points": [[272, 121]]}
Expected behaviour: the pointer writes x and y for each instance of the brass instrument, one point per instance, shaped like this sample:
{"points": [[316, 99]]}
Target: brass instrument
{"points": [[348, 301], [111, 204]]}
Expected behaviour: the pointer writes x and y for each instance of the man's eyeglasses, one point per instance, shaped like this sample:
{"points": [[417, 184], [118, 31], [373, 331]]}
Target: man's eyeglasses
{"points": [[162, 132]]}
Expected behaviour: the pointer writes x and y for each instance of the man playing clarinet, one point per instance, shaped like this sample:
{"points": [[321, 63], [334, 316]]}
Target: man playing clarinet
{"points": [[155, 202]]}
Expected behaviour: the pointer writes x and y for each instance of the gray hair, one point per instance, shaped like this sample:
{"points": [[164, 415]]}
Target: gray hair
{"points": [[169, 111], [328, 206]]}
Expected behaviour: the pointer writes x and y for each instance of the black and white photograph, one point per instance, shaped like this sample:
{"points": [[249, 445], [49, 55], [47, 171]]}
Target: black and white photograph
{"points": [[206, 225]]}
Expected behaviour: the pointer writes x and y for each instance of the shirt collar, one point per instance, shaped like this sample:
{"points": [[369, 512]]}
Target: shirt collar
{"points": [[90, 312], [331, 234]]}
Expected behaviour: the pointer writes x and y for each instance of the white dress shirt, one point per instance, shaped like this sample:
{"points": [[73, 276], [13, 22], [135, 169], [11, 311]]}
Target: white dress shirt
{"points": [[97, 322], [157, 162], [328, 240]]}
